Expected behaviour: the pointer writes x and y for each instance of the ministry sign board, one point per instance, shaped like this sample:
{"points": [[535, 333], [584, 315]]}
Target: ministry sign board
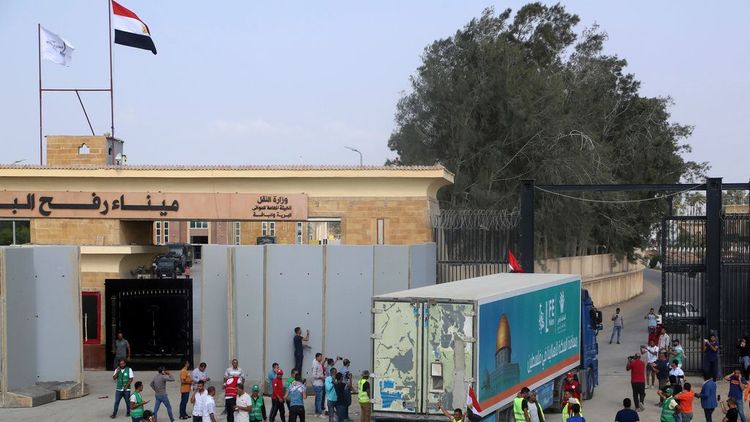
{"points": [[154, 205]]}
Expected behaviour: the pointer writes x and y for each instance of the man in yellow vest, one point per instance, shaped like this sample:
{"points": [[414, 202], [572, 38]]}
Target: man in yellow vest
{"points": [[518, 413], [364, 396], [568, 402]]}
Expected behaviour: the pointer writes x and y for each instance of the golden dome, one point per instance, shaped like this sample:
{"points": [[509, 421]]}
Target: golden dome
{"points": [[503, 333]]}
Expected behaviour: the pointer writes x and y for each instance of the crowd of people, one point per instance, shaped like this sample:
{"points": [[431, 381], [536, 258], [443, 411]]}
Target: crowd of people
{"points": [[334, 388], [662, 371]]}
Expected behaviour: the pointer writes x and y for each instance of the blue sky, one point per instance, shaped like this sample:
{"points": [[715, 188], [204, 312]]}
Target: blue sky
{"points": [[241, 82]]}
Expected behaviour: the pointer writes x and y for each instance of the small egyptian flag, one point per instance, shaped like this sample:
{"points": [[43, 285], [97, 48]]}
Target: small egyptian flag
{"points": [[473, 403], [515, 266], [130, 30]]}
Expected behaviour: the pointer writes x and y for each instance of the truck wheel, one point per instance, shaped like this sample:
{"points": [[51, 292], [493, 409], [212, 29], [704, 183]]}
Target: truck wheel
{"points": [[588, 392]]}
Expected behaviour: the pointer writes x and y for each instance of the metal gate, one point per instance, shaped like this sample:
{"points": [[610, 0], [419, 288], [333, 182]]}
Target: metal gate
{"points": [[473, 243], [155, 316], [685, 286]]}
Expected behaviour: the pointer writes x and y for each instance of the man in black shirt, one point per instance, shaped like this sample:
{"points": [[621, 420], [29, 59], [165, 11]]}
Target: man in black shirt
{"points": [[626, 414], [731, 414], [661, 367], [299, 347]]}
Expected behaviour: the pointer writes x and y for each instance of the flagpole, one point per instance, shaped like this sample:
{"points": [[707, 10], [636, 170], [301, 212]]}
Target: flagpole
{"points": [[111, 85], [39, 50]]}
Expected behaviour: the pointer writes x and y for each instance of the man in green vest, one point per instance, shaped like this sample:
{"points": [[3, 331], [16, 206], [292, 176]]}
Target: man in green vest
{"points": [[137, 403], [257, 406], [669, 406], [518, 401], [364, 396], [123, 377]]}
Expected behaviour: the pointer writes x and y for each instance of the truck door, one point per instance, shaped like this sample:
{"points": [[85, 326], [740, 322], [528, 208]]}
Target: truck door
{"points": [[448, 353], [397, 340]]}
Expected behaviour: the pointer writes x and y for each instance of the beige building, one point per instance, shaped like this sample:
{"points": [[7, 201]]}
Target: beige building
{"points": [[119, 214]]}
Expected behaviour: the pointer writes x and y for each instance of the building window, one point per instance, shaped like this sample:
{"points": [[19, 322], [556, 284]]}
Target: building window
{"points": [[90, 306], [15, 232], [300, 238], [237, 233], [268, 228], [199, 224], [381, 231], [324, 231], [161, 232]]}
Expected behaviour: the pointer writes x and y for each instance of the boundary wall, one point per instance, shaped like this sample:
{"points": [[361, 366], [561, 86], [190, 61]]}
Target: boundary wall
{"points": [[608, 280], [250, 298]]}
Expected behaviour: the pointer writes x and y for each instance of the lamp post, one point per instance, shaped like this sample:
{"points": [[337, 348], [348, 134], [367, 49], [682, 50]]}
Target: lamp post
{"points": [[358, 152]]}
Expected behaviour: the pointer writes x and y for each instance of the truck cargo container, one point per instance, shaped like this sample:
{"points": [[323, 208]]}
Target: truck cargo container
{"points": [[496, 333]]}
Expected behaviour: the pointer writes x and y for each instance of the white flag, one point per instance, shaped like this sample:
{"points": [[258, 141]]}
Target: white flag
{"points": [[55, 48]]}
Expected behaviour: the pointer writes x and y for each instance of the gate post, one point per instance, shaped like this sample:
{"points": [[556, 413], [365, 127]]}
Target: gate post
{"points": [[713, 255], [526, 241]]}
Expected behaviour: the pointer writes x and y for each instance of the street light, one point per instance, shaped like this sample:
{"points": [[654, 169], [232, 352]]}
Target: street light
{"points": [[358, 152]]}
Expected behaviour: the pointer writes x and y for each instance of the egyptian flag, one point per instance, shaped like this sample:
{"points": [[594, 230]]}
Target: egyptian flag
{"points": [[473, 403], [130, 30], [515, 267]]}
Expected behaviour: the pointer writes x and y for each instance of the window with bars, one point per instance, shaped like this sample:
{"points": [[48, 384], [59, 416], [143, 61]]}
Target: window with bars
{"points": [[237, 233], [300, 233], [161, 232], [268, 228]]}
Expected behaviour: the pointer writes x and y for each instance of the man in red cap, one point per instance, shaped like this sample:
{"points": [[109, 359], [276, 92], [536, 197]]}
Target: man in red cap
{"points": [[277, 396], [572, 384]]}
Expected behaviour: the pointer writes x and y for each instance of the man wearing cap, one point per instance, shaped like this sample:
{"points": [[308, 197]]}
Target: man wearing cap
{"points": [[518, 413], [669, 407], [364, 396], [677, 353], [277, 396], [257, 406], [571, 383]]}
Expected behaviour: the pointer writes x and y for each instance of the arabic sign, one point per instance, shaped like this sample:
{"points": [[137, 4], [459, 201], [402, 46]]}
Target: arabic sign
{"points": [[526, 340], [154, 205]]}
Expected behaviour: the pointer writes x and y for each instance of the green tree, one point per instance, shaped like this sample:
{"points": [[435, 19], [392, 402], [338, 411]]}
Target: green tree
{"points": [[506, 99]]}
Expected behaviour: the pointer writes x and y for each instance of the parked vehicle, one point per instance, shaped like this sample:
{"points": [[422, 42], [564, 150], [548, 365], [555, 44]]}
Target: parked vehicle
{"points": [[675, 309], [492, 333]]}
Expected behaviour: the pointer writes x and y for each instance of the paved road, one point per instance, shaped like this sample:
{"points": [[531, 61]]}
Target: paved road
{"points": [[614, 380]]}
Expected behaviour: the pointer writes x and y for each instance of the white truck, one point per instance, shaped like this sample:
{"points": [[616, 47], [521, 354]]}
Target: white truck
{"points": [[496, 334]]}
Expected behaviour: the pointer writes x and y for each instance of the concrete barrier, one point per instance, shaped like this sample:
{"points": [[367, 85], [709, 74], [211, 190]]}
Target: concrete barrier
{"points": [[608, 280]]}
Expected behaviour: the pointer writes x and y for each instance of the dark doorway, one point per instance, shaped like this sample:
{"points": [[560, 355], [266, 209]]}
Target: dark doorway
{"points": [[155, 316]]}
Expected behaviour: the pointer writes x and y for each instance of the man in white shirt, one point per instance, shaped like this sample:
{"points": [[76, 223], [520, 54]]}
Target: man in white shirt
{"points": [[677, 372], [199, 398], [199, 374], [664, 340], [652, 353], [318, 376], [244, 403], [209, 408]]}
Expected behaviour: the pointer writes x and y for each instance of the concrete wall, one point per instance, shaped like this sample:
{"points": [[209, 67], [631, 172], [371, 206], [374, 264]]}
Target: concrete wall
{"points": [[252, 297], [213, 310], [40, 310], [608, 281], [248, 300]]}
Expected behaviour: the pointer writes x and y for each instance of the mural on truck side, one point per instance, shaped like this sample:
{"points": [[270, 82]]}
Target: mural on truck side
{"points": [[407, 334], [526, 338]]}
